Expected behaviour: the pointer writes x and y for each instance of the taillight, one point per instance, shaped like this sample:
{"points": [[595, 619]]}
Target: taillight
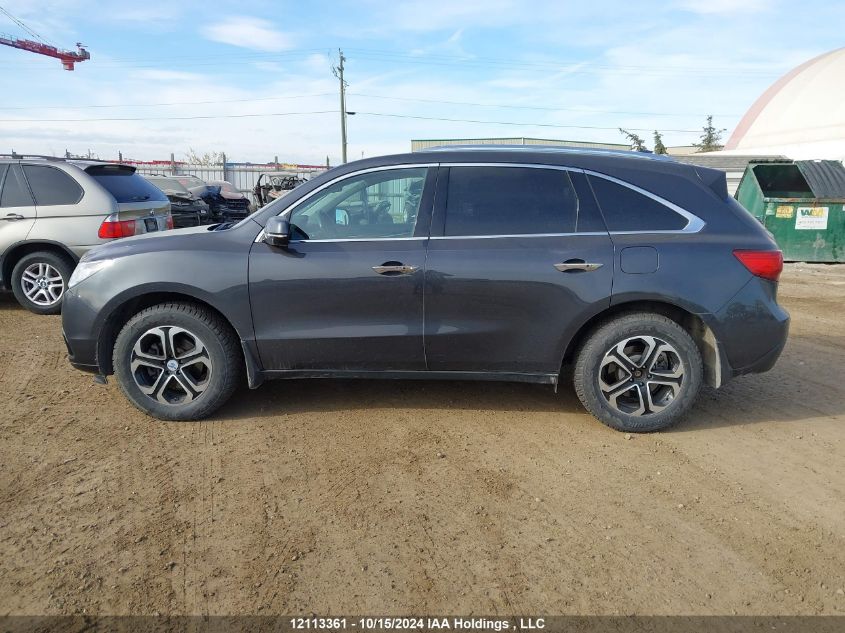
{"points": [[112, 228], [765, 264], [169, 222]]}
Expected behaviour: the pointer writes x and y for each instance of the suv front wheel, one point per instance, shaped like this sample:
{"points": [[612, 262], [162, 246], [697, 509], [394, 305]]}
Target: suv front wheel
{"points": [[39, 281], [177, 361], [638, 373]]}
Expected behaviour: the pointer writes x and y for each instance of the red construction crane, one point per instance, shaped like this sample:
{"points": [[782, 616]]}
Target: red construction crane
{"points": [[68, 58]]}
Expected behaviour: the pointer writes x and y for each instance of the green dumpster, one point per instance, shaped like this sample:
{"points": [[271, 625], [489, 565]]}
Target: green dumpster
{"points": [[801, 204]]}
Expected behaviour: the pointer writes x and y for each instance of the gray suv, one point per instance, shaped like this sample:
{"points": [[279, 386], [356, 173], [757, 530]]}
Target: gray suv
{"points": [[53, 210], [640, 277]]}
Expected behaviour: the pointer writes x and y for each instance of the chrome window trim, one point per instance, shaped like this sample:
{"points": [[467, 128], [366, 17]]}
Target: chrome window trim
{"points": [[694, 223], [490, 237], [359, 239], [352, 174]]}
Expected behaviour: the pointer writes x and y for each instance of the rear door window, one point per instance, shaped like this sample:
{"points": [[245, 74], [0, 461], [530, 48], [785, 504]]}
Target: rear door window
{"points": [[52, 186], [15, 192], [509, 201], [627, 210], [125, 185]]}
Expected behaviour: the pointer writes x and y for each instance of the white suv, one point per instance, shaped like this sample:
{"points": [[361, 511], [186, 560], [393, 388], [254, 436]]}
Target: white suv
{"points": [[53, 210]]}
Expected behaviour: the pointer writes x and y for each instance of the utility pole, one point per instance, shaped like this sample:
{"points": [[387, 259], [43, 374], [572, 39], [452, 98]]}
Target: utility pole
{"points": [[338, 72]]}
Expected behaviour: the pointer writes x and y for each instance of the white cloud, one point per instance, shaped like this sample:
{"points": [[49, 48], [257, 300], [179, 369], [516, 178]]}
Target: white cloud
{"points": [[725, 7], [253, 33]]}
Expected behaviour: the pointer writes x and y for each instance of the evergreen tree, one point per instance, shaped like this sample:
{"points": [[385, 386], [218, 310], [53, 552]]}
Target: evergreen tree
{"points": [[659, 147], [637, 144], [710, 138]]}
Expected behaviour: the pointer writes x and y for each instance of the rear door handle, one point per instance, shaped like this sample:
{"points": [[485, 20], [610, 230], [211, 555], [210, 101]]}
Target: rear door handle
{"points": [[12, 217], [395, 269], [576, 265]]}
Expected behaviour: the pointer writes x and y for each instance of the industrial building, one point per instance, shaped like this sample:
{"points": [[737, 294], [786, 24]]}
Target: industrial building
{"points": [[421, 144]]}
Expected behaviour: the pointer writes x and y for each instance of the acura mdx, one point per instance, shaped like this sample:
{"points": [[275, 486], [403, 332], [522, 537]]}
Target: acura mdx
{"points": [[637, 275]]}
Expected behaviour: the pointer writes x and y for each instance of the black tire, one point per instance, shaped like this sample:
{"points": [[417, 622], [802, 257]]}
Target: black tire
{"points": [[648, 405], [44, 303], [160, 325]]}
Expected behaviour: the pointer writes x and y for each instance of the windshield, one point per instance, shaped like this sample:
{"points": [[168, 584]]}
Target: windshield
{"points": [[169, 185], [224, 185], [190, 181]]}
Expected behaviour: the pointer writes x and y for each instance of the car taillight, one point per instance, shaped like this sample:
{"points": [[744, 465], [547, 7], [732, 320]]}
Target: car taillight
{"points": [[169, 222], [765, 264], [112, 227]]}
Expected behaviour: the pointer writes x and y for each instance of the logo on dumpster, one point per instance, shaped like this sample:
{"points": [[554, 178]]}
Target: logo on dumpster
{"points": [[812, 218]]}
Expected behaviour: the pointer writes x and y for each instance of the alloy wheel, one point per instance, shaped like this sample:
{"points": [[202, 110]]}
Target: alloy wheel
{"points": [[42, 284], [170, 365], [641, 375]]}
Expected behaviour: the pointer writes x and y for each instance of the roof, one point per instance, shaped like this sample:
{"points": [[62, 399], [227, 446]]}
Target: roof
{"points": [[800, 114], [543, 149], [725, 162], [825, 177]]}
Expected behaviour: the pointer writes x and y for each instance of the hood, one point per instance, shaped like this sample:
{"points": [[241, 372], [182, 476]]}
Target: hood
{"points": [[232, 195]]}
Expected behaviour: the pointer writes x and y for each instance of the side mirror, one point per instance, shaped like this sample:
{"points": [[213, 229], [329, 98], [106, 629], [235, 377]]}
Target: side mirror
{"points": [[277, 231]]}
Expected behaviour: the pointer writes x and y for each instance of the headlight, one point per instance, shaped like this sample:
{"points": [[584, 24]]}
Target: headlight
{"points": [[86, 269]]}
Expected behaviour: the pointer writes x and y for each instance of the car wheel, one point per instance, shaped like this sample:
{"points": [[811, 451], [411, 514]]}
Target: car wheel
{"points": [[638, 373], [177, 361], [39, 281]]}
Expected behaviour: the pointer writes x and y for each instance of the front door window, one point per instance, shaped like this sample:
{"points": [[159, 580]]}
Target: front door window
{"points": [[376, 205]]}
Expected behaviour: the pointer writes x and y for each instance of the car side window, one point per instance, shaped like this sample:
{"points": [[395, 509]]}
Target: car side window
{"points": [[52, 186], [509, 201], [380, 204], [15, 192], [627, 210]]}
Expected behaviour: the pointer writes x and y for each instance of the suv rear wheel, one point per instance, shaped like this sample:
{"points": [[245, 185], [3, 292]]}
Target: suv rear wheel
{"points": [[177, 361], [39, 281], [638, 373]]}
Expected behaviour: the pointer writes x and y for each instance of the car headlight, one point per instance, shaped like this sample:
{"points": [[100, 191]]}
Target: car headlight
{"points": [[85, 269]]}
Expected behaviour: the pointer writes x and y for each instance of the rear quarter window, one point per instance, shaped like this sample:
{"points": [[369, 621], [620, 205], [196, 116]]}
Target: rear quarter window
{"points": [[127, 186], [627, 210], [52, 186]]}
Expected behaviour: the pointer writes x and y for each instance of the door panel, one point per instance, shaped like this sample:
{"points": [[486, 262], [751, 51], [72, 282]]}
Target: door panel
{"points": [[508, 303], [17, 209], [320, 305], [499, 304], [347, 292]]}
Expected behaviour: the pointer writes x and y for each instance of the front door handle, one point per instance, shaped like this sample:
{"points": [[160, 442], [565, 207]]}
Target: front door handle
{"points": [[577, 265], [389, 268], [12, 217]]}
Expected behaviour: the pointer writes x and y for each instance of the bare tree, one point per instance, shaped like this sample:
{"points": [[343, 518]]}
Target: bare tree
{"points": [[208, 159]]}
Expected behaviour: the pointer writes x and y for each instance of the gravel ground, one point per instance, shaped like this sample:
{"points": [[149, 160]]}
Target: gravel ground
{"points": [[425, 497]]}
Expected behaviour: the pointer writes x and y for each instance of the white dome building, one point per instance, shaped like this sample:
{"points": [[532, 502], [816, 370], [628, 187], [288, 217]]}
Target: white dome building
{"points": [[801, 115]]}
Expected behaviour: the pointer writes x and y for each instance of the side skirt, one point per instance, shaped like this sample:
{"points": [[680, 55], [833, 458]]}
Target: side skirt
{"points": [[546, 379]]}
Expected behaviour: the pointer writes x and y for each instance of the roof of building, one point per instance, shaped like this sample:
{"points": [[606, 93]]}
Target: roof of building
{"points": [[800, 114]]}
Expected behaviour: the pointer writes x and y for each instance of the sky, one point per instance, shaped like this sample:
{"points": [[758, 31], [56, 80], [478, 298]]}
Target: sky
{"points": [[254, 78]]}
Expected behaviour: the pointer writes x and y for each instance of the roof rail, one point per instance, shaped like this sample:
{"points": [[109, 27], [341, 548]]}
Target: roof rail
{"points": [[562, 149], [15, 156]]}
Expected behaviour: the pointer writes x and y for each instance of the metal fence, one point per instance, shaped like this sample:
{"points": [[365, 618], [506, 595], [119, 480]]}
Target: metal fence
{"points": [[243, 177]]}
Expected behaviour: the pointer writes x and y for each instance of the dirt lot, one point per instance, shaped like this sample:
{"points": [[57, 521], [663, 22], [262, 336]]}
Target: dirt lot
{"points": [[378, 497]]}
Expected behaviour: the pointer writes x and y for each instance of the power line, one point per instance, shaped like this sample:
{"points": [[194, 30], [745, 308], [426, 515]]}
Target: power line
{"points": [[527, 107], [375, 114], [519, 123], [169, 118], [584, 110], [170, 103]]}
